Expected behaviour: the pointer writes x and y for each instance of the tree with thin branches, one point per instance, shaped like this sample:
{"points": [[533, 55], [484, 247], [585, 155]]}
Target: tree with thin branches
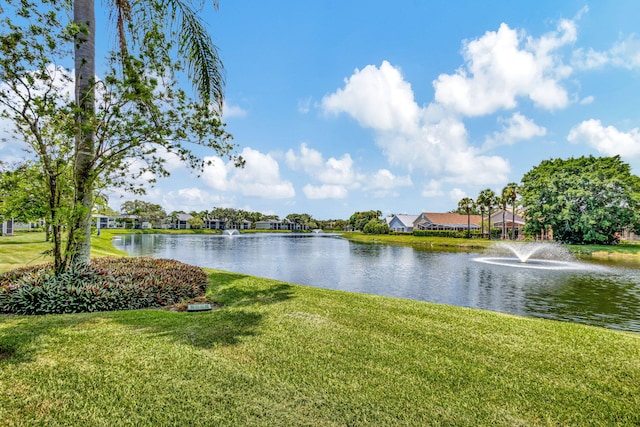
{"points": [[134, 110], [146, 26]]}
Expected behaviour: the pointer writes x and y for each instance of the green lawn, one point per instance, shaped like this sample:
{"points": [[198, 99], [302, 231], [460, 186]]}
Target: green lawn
{"points": [[279, 354]]}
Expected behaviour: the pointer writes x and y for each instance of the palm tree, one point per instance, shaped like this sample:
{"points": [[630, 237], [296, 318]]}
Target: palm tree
{"points": [[79, 241], [503, 200], [467, 205], [511, 192], [486, 199], [205, 69]]}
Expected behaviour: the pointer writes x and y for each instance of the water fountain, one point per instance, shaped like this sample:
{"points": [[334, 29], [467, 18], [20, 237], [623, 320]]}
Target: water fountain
{"points": [[317, 231], [540, 255], [230, 233]]}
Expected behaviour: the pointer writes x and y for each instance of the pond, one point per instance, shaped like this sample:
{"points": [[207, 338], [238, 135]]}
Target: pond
{"points": [[606, 296]]}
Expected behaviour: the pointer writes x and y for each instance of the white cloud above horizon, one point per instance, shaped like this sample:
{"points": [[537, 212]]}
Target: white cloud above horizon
{"points": [[607, 140], [514, 129], [231, 111], [260, 177], [428, 139], [504, 65]]}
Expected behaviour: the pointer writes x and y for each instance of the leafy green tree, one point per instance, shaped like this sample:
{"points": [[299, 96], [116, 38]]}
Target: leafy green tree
{"points": [[146, 34], [376, 226], [358, 220], [145, 211], [467, 205], [195, 222], [23, 194], [584, 200], [136, 111], [304, 220]]}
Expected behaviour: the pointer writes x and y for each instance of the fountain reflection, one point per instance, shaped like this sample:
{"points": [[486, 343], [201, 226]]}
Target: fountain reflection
{"points": [[547, 256]]}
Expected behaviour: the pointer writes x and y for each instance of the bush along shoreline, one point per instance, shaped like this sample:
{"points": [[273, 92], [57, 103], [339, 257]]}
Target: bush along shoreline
{"points": [[106, 284]]}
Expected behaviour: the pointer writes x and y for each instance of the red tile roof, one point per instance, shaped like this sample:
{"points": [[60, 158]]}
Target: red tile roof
{"points": [[451, 219]]}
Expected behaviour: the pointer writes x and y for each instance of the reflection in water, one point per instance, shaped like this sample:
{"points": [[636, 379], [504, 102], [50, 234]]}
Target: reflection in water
{"points": [[605, 296]]}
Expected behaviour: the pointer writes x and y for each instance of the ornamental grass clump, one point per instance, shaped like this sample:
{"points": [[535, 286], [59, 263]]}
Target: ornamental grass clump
{"points": [[104, 285]]}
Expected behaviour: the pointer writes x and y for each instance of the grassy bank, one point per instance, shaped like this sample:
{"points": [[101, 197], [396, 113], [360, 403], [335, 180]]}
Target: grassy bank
{"points": [[445, 243], [623, 251], [278, 354], [31, 249]]}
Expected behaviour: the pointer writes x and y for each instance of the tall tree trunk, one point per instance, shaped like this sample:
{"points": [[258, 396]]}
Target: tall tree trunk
{"points": [[79, 239], [513, 219], [489, 223], [54, 223]]}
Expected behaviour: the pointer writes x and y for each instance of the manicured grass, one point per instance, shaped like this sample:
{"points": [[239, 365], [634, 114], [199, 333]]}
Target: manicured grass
{"points": [[31, 249], [23, 249], [278, 354]]}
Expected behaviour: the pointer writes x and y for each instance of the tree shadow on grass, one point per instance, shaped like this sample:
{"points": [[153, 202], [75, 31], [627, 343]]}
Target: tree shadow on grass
{"points": [[233, 289], [18, 342], [238, 299]]}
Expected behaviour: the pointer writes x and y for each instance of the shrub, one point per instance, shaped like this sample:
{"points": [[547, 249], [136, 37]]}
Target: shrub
{"points": [[375, 226], [495, 233], [440, 233], [105, 284]]}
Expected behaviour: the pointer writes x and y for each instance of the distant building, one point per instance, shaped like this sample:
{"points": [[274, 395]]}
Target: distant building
{"points": [[402, 223], [446, 221]]}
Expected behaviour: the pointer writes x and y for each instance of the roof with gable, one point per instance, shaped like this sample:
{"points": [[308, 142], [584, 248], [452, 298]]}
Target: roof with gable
{"points": [[497, 218], [449, 220], [406, 220]]}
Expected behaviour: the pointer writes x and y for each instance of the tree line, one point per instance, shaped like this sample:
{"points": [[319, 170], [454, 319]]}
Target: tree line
{"points": [[233, 218], [584, 200], [487, 201]]}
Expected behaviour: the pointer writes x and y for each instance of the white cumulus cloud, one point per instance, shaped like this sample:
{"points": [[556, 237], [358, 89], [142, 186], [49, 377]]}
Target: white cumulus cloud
{"points": [[429, 139], [377, 97], [608, 140], [259, 178], [433, 188], [335, 176], [504, 65], [624, 54], [229, 111], [325, 191], [514, 129], [457, 194]]}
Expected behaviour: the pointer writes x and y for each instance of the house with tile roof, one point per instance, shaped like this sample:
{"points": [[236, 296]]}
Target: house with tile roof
{"points": [[446, 221], [402, 223], [507, 221]]}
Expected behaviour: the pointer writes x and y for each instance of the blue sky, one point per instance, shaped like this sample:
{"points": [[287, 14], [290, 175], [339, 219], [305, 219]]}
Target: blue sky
{"points": [[344, 106]]}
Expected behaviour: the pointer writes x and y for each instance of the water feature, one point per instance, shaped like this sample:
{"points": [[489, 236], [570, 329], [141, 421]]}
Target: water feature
{"points": [[230, 232], [317, 231], [535, 255], [573, 291]]}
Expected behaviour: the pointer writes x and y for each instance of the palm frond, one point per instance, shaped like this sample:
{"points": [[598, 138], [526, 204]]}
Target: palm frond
{"points": [[205, 67]]}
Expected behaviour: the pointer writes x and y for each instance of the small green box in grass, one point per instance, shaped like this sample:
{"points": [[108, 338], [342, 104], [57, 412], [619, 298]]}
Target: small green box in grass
{"points": [[199, 307]]}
